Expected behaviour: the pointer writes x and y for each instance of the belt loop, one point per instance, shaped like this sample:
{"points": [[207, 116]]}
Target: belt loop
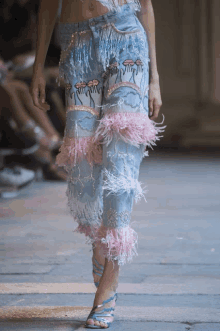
{"points": [[106, 16]]}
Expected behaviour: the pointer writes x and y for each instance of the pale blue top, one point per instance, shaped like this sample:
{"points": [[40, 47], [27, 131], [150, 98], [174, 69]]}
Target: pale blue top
{"points": [[112, 4]]}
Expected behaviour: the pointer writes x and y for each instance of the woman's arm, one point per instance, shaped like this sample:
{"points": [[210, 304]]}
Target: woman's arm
{"points": [[47, 16], [146, 17]]}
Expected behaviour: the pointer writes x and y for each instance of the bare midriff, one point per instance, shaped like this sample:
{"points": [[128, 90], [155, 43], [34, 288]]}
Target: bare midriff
{"points": [[74, 12]]}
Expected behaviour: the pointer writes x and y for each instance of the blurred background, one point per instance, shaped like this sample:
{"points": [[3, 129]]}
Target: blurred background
{"points": [[29, 138], [188, 57]]}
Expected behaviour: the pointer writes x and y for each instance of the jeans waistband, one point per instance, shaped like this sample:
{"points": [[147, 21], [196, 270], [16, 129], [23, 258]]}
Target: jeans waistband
{"points": [[111, 16]]}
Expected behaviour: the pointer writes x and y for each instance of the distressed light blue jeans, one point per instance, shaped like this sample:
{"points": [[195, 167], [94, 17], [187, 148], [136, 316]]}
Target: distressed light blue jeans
{"points": [[104, 64]]}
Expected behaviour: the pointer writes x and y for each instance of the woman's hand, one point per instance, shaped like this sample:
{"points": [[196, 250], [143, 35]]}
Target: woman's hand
{"points": [[37, 91], [155, 101]]}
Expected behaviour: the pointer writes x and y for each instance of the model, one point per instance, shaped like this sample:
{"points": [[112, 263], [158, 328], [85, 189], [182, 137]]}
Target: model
{"points": [[108, 66]]}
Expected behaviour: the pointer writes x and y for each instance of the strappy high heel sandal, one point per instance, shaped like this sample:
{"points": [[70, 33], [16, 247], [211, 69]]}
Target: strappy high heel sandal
{"points": [[34, 131], [98, 270], [98, 316]]}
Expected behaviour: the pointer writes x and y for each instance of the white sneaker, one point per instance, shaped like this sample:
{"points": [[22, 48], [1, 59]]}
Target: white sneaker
{"points": [[13, 179]]}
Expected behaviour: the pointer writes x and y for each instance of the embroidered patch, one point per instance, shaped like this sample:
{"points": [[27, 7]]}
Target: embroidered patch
{"points": [[83, 108]]}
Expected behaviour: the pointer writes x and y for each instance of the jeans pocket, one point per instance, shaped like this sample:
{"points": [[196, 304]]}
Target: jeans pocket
{"points": [[125, 28]]}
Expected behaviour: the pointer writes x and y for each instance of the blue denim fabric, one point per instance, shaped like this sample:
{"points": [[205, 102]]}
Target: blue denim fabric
{"points": [[105, 66]]}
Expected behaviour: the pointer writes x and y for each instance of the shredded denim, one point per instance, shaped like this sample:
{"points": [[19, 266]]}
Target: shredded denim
{"points": [[105, 67], [76, 49]]}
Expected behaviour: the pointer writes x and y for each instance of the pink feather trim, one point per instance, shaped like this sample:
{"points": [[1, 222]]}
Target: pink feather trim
{"points": [[87, 230], [73, 150], [133, 128], [117, 243]]}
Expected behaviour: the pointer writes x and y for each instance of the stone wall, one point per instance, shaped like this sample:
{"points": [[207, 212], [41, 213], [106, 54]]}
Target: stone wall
{"points": [[188, 58]]}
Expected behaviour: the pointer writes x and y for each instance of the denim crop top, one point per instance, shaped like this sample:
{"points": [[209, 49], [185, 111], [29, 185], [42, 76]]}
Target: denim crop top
{"points": [[114, 4]]}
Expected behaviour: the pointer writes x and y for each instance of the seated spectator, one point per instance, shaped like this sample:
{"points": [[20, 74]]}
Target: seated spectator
{"points": [[20, 114], [18, 22]]}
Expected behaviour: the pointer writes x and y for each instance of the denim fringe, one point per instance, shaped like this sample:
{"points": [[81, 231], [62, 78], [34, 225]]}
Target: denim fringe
{"points": [[118, 185], [87, 213], [76, 50], [75, 53]]}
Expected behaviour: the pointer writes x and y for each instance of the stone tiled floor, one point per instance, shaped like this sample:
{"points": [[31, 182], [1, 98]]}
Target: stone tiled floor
{"points": [[176, 275]]}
